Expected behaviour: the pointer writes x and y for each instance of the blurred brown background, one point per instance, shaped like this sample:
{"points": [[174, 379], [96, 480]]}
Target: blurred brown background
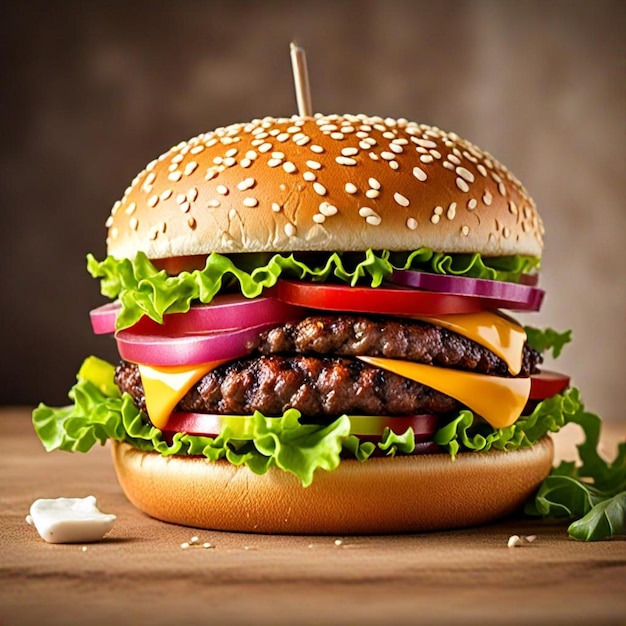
{"points": [[92, 91]]}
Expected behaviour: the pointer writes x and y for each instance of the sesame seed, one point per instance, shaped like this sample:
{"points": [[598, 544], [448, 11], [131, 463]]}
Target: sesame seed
{"points": [[481, 168], [419, 173], [166, 194], [373, 156], [265, 147], [289, 167], [317, 149], [388, 135], [192, 194], [435, 153], [424, 143], [349, 151], [454, 159], [245, 162], [274, 162], [372, 193], [319, 219], [327, 128], [465, 174], [373, 183], [290, 229], [275, 207], [109, 221], [232, 152], [196, 149], [336, 135], [487, 197], [411, 223], [177, 158], [246, 183], [185, 206], [461, 184], [210, 173], [191, 222], [502, 189], [213, 204], [373, 220], [314, 165], [133, 223], [278, 155], [366, 211], [302, 141], [350, 188], [250, 202], [435, 219], [426, 158], [175, 176], [465, 231], [400, 199], [190, 167], [319, 188], [115, 207], [394, 147], [506, 232], [309, 176], [251, 154], [229, 161], [222, 190], [438, 210], [448, 165], [180, 198], [512, 207], [451, 213], [218, 160], [327, 209], [345, 160], [130, 209], [153, 200], [394, 165], [472, 203], [364, 145], [388, 156]]}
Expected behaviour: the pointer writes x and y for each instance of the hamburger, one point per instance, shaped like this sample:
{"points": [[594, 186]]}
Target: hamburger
{"points": [[312, 315]]}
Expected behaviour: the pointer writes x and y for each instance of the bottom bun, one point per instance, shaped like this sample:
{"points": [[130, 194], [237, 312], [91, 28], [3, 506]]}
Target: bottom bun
{"points": [[382, 495]]}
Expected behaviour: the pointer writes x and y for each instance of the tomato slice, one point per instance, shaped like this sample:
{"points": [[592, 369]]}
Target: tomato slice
{"points": [[384, 300], [547, 384], [369, 427]]}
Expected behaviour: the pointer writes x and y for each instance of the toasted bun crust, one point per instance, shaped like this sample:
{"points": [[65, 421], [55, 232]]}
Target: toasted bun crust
{"points": [[382, 495], [344, 183]]}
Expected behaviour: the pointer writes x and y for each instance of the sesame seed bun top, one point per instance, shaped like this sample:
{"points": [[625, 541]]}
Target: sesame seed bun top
{"points": [[330, 183]]}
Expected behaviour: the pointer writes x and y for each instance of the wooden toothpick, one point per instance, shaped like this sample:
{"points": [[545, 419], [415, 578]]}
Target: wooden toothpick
{"points": [[301, 80]]}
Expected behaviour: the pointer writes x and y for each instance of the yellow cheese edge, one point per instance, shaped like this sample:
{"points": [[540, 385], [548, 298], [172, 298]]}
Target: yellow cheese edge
{"points": [[500, 401], [495, 331], [165, 386]]}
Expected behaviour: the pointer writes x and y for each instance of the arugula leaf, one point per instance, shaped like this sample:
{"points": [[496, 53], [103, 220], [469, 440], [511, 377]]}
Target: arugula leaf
{"points": [[592, 492], [546, 339]]}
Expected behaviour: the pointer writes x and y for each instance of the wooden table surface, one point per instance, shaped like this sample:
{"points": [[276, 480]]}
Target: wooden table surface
{"points": [[140, 574]]}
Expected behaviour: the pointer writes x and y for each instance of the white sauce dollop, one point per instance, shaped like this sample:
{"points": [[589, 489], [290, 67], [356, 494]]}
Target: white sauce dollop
{"points": [[69, 520]]}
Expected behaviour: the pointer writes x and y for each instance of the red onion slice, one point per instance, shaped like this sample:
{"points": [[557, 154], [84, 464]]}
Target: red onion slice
{"points": [[224, 312], [188, 348], [495, 294]]}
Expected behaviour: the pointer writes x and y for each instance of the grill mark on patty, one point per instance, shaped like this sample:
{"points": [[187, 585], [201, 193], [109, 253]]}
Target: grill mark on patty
{"points": [[409, 340], [316, 386]]}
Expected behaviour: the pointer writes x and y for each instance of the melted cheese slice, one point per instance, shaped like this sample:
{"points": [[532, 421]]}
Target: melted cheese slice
{"points": [[499, 401], [496, 332], [165, 386]]}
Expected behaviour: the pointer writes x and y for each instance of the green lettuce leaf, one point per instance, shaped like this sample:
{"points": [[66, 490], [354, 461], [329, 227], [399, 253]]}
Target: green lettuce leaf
{"points": [[143, 290], [591, 492], [546, 339]]}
